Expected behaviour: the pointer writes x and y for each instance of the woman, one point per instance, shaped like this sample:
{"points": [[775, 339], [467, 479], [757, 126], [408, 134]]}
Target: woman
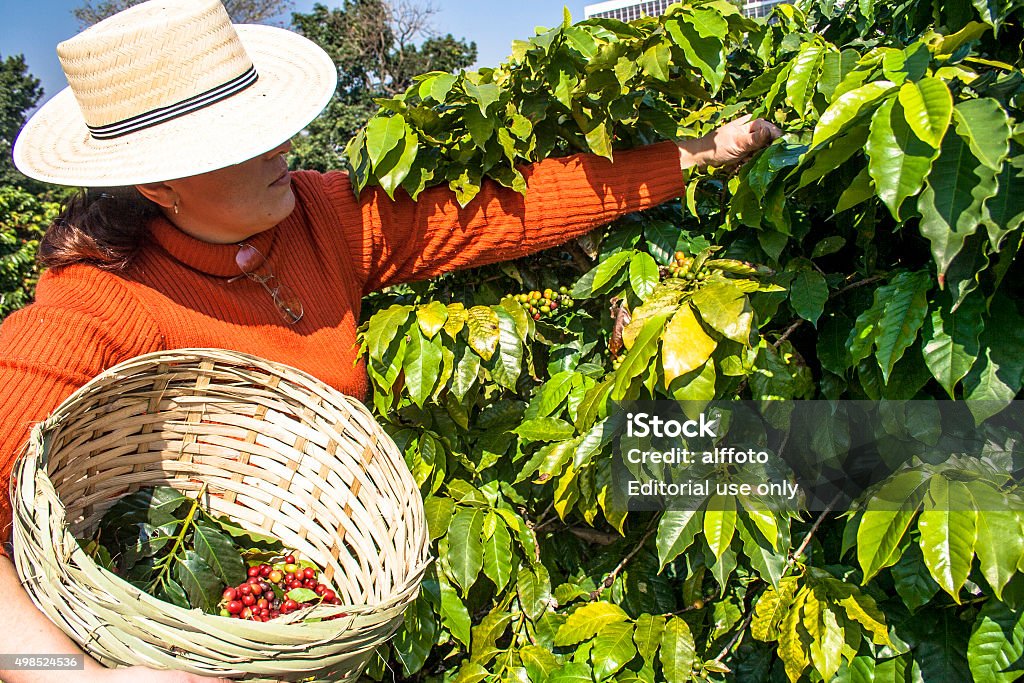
{"points": [[204, 239]]}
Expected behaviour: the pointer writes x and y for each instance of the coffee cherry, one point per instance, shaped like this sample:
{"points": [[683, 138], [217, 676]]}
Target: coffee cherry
{"points": [[329, 595], [290, 559], [229, 594], [246, 613], [256, 588], [275, 576], [309, 573], [265, 570], [254, 571], [245, 589], [234, 606], [290, 567]]}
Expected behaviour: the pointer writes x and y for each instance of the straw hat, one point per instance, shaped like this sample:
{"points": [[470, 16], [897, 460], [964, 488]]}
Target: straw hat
{"points": [[169, 89]]}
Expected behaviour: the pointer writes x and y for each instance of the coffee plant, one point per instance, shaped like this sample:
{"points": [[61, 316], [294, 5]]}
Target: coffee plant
{"points": [[867, 254]]}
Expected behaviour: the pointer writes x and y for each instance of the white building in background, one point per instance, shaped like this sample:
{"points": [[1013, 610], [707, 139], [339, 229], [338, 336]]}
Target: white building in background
{"points": [[628, 10]]}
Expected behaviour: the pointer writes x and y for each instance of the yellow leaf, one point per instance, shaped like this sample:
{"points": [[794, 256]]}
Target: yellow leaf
{"points": [[685, 346]]}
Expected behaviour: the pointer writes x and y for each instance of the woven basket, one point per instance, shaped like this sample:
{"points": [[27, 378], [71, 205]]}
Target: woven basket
{"points": [[280, 453]]}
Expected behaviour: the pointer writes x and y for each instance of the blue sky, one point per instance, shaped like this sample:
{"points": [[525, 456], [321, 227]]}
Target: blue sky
{"points": [[34, 27]]}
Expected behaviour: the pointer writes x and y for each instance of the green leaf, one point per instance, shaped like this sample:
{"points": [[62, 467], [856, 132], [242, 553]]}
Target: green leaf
{"points": [[724, 307], [550, 395], [383, 135], [301, 595], [438, 511], [898, 160], [952, 201], [676, 531], [395, 167], [685, 346], [643, 275], [996, 647], [497, 551], [172, 592], [719, 523], [609, 268], [216, 549], [1000, 546], [983, 124], [199, 581], [533, 585], [466, 554], [613, 648], [913, 582], [827, 638], [803, 77], [572, 672], [906, 306], [771, 608], [507, 363], [948, 527], [484, 333], [382, 328], [848, 107], [765, 560], [808, 294], [454, 615], [484, 94], [422, 365], [707, 54], [928, 106], [647, 635], [431, 318], [545, 429], [637, 361], [887, 517], [678, 652], [951, 345], [655, 61], [586, 621]]}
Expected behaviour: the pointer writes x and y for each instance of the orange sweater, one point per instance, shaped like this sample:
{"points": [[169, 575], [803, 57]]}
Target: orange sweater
{"points": [[331, 251]]}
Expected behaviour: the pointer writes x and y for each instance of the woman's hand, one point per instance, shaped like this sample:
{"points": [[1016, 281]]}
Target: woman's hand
{"points": [[139, 674], [728, 145]]}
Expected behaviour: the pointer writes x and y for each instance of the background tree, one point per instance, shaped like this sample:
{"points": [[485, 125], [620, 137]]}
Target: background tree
{"points": [[26, 205], [373, 44], [19, 93], [240, 11]]}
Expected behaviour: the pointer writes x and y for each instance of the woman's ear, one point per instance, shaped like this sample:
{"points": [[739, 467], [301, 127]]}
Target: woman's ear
{"points": [[159, 193]]}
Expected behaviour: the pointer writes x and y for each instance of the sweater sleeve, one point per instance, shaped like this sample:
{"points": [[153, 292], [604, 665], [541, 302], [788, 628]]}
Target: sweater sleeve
{"points": [[402, 240], [83, 322]]}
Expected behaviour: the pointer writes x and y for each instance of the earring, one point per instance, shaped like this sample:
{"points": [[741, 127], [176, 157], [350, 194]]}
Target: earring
{"points": [[175, 207]]}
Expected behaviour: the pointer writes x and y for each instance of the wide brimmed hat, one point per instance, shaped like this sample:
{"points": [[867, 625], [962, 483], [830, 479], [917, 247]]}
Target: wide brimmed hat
{"points": [[169, 89]]}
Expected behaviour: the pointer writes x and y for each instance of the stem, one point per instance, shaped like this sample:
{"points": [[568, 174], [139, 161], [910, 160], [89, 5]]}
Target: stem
{"points": [[169, 558], [610, 579]]}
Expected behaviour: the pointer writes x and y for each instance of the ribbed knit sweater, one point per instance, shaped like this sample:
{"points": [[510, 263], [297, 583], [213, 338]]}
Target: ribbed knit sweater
{"points": [[332, 250]]}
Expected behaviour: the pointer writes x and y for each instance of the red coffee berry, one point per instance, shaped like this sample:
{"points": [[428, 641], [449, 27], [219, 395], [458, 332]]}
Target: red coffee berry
{"points": [[275, 576], [254, 571], [264, 570], [229, 594], [234, 606], [309, 573], [320, 589], [245, 589], [246, 613], [256, 588], [290, 559], [248, 600], [262, 604], [329, 595]]}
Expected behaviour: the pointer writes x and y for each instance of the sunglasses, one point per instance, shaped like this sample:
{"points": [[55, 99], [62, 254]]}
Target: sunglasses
{"points": [[254, 266]]}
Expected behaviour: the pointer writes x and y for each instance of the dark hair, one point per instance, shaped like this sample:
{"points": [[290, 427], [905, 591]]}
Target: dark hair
{"points": [[103, 227]]}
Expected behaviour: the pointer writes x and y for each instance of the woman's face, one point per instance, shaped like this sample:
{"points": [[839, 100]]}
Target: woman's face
{"points": [[230, 204]]}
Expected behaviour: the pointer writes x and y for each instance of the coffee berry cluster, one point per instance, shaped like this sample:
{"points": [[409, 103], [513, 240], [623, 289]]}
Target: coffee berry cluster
{"points": [[542, 304], [683, 268], [271, 590]]}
